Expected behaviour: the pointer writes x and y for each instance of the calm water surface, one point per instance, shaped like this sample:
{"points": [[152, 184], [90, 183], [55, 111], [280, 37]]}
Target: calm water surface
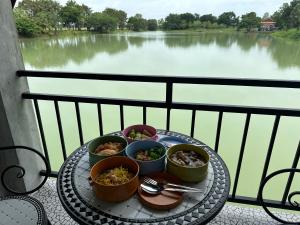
{"points": [[183, 54]]}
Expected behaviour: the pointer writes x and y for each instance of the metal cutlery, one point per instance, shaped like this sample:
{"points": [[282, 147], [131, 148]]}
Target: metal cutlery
{"points": [[159, 186], [152, 189]]}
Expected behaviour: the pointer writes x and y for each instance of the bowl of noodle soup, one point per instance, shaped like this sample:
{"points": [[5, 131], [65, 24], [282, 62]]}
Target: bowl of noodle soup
{"points": [[115, 179]]}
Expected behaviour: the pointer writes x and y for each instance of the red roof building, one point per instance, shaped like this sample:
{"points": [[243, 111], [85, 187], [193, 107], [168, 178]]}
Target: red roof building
{"points": [[268, 24]]}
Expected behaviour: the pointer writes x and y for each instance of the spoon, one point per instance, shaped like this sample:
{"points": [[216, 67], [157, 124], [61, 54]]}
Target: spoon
{"points": [[155, 190]]}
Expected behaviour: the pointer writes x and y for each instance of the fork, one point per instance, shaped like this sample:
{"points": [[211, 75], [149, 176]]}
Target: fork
{"points": [[149, 180], [170, 144]]}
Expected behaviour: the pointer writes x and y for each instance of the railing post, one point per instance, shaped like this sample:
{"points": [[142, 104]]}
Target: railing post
{"points": [[291, 176], [77, 109], [220, 118], [239, 164], [270, 149], [169, 96], [99, 109], [193, 123], [60, 130], [144, 114]]}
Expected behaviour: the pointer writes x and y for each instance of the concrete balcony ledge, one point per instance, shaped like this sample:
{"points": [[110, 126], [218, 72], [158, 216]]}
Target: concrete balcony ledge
{"points": [[231, 214]]}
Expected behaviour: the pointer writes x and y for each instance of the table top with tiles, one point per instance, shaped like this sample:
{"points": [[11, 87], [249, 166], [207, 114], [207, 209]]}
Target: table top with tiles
{"points": [[21, 210], [79, 201]]}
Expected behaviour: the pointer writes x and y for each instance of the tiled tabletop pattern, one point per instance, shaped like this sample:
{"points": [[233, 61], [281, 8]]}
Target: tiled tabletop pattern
{"points": [[21, 210], [132, 208], [230, 214]]}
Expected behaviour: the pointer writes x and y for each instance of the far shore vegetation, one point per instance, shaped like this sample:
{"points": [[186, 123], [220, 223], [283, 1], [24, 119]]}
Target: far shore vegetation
{"points": [[48, 17]]}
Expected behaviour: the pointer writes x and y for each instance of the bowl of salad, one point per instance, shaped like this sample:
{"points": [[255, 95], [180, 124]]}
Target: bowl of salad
{"points": [[139, 132], [150, 155]]}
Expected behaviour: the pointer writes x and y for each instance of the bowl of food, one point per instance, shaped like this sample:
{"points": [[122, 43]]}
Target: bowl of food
{"points": [[115, 179], [150, 155], [105, 146], [187, 162], [139, 132]]}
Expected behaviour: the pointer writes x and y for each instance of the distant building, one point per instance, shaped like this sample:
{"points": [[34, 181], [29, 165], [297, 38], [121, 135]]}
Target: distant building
{"points": [[267, 24]]}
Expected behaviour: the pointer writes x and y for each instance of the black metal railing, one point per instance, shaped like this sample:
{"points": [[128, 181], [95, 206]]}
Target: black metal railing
{"points": [[169, 104]]}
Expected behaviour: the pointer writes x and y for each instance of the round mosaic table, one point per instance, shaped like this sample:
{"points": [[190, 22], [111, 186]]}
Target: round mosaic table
{"points": [[81, 204], [17, 210]]}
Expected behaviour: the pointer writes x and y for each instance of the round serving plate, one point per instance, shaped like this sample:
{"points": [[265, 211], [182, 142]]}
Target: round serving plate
{"points": [[164, 200]]}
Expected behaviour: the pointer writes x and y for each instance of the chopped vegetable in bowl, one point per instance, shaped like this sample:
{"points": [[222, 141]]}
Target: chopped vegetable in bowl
{"points": [[150, 154]]}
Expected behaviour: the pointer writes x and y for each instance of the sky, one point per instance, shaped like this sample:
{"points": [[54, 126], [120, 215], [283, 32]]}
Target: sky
{"points": [[161, 8]]}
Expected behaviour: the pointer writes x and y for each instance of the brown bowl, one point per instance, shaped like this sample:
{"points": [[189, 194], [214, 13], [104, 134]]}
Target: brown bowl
{"points": [[115, 193]]}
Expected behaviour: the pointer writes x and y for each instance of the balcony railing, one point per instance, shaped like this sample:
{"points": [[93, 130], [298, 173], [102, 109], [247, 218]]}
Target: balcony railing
{"points": [[169, 104]]}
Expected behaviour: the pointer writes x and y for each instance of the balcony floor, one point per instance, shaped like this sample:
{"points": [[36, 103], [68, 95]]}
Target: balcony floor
{"points": [[231, 214]]}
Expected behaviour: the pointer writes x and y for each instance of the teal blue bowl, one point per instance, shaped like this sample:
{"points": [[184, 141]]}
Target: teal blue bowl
{"points": [[92, 146], [147, 167]]}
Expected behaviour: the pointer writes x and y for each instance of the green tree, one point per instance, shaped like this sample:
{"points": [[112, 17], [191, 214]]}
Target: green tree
{"points": [[85, 12], [197, 16], [228, 19], [152, 24], [208, 18], [102, 22], [70, 14], [160, 23], [49, 18], [283, 17], [31, 7], [173, 22], [295, 16], [137, 23], [120, 15], [250, 21], [189, 18], [26, 26], [45, 13]]}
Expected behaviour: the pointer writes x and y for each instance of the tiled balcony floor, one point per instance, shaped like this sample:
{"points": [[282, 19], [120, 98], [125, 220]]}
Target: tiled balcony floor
{"points": [[230, 214]]}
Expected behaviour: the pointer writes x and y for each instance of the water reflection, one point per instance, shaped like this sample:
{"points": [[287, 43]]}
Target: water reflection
{"points": [[56, 52], [286, 54], [136, 41], [222, 40]]}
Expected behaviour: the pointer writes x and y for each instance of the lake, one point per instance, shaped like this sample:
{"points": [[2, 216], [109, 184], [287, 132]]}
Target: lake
{"points": [[236, 55]]}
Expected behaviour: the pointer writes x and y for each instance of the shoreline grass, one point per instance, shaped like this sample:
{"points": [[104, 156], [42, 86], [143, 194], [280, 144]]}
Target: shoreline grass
{"points": [[292, 34]]}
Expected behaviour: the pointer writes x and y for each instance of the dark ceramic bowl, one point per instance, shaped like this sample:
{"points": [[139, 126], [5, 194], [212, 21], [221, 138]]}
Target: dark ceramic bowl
{"points": [[92, 146]]}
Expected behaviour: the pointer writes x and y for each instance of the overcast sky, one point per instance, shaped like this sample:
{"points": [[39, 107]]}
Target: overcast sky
{"points": [[161, 8]]}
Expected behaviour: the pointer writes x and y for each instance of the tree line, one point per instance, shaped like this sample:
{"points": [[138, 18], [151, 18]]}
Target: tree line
{"points": [[34, 17]]}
